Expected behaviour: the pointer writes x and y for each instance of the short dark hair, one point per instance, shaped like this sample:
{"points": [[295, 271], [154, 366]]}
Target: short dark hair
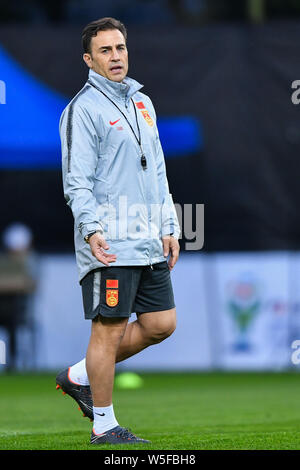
{"points": [[103, 24]]}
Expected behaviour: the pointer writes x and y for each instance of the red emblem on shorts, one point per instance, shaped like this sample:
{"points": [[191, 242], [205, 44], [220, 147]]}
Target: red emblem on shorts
{"points": [[112, 283], [112, 297], [112, 292]]}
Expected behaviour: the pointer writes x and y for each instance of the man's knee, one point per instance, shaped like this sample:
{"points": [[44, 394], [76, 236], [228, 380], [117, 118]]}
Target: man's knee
{"points": [[160, 329], [162, 332]]}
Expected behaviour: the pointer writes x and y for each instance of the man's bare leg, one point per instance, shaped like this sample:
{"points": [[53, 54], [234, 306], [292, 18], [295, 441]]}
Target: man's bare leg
{"points": [[105, 339], [106, 336], [149, 328]]}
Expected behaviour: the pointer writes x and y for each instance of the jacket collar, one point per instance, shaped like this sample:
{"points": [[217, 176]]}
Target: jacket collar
{"points": [[124, 90]]}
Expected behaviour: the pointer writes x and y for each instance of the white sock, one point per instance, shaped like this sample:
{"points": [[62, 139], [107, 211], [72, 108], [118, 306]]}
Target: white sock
{"points": [[78, 374], [104, 419]]}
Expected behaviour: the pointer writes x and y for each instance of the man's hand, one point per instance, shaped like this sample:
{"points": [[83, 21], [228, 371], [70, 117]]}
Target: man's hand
{"points": [[98, 245], [171, 245]]}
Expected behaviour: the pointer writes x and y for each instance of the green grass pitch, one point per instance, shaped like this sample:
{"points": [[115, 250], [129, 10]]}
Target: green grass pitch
{"points": [[174, 411]]}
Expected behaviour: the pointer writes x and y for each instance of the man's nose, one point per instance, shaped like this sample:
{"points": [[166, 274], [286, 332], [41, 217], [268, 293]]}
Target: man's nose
{"points": [[115, 54]]}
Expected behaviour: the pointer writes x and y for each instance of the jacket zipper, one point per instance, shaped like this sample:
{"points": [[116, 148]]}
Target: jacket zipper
{"points": [[145, 184], [143, 160]]}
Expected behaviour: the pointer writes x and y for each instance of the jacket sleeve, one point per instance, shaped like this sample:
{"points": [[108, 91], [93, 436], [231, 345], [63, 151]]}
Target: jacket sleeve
{"points": [[169, 219], [79, 145]]}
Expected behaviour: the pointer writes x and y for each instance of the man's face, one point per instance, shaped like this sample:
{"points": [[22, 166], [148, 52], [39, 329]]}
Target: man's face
{"points": [[109, 55]]}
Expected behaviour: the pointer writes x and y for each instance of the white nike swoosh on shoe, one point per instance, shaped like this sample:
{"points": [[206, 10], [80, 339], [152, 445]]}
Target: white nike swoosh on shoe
{"points": [[87, 406], [94, 438]]}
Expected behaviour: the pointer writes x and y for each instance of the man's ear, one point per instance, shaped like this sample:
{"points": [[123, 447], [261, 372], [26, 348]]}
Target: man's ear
{"points": [[87, 59]]}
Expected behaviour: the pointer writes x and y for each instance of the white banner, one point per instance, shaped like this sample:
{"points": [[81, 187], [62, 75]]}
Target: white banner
{"points": [[251, 311], [234, 312]]}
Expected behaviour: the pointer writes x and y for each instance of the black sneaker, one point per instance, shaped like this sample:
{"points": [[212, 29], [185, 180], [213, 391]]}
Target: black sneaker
{"points": [[117, 435], [81, 393]]}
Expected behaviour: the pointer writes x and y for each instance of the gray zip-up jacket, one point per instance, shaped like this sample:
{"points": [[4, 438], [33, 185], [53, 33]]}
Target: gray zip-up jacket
{"points": [[105, 183]]}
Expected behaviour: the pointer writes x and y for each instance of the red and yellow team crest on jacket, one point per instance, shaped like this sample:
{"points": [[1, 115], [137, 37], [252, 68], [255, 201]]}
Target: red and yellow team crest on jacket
{"points": [[140, 105], [112, 295]]}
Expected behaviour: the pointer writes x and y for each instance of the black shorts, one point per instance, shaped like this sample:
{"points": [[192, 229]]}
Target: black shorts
{"points": [[118, 291]]}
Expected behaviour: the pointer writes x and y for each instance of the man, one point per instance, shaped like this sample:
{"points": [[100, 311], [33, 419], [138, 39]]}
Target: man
{"points": [[126, 225]]}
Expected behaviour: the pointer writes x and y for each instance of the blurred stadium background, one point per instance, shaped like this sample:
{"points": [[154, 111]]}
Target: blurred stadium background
{"points": [[220, 74]]}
